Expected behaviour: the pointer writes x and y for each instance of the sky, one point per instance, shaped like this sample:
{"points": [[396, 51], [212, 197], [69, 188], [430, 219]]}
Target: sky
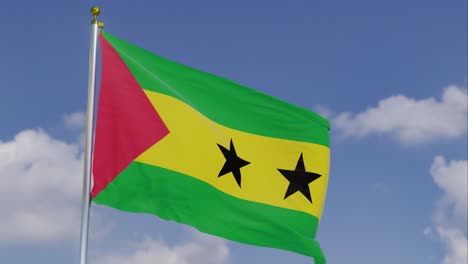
{"points": [[391, 76]]}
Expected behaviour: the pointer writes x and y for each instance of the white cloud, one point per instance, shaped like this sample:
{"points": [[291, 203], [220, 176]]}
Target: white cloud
{"points": [[452, 178], [40, 188], [428, 232], [323, 111], [410, 120], [201, 249], [75, 120], [451, 212], [456, 244]]}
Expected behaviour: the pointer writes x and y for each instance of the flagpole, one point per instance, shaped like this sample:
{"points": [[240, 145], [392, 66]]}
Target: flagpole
{"points": [[86, 202]]}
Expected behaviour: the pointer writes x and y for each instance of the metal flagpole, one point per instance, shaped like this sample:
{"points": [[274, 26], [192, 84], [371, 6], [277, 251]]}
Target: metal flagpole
{"points": [[86, 202]]}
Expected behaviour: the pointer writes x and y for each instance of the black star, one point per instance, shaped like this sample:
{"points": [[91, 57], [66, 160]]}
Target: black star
{"points": [[299, 179], [233, 163]]}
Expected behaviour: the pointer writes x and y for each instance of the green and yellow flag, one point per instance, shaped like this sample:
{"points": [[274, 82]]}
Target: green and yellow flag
{"points": [[201, 150]]}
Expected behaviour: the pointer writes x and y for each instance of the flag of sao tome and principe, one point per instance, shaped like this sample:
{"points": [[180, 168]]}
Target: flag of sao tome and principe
{"points": [[202, 150]]}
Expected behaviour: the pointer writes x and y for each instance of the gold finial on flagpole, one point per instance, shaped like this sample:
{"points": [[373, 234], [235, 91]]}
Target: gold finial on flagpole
{"points": [[95, 11]]}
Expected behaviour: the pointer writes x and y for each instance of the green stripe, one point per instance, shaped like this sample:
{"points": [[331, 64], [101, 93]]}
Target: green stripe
{"points": [[184, 199], [223, 101]]}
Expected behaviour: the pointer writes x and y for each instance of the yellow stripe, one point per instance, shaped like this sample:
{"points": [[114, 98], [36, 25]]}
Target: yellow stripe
{"points": [[191, 148]]}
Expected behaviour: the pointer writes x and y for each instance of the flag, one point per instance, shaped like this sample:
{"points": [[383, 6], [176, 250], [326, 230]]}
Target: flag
{"points": [[202, 150]]}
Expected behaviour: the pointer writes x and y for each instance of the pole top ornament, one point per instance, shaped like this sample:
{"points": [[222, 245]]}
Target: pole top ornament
{"points": [[95, 11]]}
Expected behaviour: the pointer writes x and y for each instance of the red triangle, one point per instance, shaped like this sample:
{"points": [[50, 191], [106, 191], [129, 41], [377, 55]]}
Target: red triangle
{"points": [[127, 123]]}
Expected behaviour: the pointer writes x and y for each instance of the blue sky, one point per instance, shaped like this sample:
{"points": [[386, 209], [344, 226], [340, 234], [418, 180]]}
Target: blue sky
{"points": [[390, 75]]}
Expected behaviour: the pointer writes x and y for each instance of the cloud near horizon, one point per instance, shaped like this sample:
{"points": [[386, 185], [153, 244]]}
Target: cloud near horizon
{"points": [[199, 249], [41, 187], [450, 216]]}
